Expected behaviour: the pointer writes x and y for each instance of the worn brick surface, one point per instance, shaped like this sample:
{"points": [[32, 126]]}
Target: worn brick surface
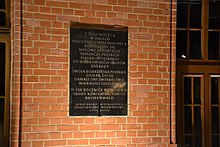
{"points": [[45, 93]]}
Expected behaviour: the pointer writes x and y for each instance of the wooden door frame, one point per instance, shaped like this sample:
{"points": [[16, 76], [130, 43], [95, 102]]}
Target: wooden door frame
{"points": [[200, 69], [6, 39]]}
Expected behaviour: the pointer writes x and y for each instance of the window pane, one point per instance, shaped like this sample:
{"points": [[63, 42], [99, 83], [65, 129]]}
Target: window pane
{"points": [[197, 90], [198, 141], [2, 104], [215, 119], [195, 45], [2, 68], [214, 91], [188, 141], [2, 4], [214, 14], [187, 90], [195, 13], [188, 119], [182, 13], [197, 120], [213, 45], [2, 18], [215, 140], [181, 45]]}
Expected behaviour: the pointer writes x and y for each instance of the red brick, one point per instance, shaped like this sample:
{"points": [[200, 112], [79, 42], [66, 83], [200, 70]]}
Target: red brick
{"points": [[55, 143], [120, 134], [67, 128], [45, 72], [43, 136], [80, 12], [45, 23], [39, 2], [89, 135], [122, 2], [90, 13], [55, 135], [122, 9], [78, 142], [111, 134], [90, 20], [101, 7], [44, 128], [55, 59], [112, 21], [57, 38], [132, 127], [56, 121], [89, 127], [44, 100], [143, 11], [111, 15], [68, 11], [55, 114], [100, 141], [67, 18], [78, 5], [101, 14], [44, 16], [32, 79], [46, 120], [121, 141], [152, 126], [78, 135], [26, 143], [131, 134], [56, 107], [37, 143], [56, 4], [67, 135], [141, 140], [112, 2], [56, 32], [110, 127]]}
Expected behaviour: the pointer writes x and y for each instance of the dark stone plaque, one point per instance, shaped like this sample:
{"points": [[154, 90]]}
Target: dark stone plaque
{"points": [[98, 71]]}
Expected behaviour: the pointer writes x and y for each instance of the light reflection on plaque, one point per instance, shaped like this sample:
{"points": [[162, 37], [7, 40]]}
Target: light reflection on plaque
{"points": [[98, 71]]}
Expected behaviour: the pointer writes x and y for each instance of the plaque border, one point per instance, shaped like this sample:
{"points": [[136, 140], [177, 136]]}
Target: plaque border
{"points": [[99, 27]]}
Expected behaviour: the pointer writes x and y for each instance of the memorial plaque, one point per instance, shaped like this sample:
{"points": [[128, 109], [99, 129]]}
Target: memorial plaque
{"points": [[98, 71]]}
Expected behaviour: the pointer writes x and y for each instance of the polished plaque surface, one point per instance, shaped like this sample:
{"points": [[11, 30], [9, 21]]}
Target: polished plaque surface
{"points": [[98, 72]]}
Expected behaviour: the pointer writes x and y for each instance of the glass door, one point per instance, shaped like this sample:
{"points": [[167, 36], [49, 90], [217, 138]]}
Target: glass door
{"points": [[4, 89], [198, 73], [193, 107], [198, 105], [4, 71], [215, 109]]}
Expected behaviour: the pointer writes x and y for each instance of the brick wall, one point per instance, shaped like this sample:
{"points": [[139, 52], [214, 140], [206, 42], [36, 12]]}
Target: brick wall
{"points": [[45, 74]]}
